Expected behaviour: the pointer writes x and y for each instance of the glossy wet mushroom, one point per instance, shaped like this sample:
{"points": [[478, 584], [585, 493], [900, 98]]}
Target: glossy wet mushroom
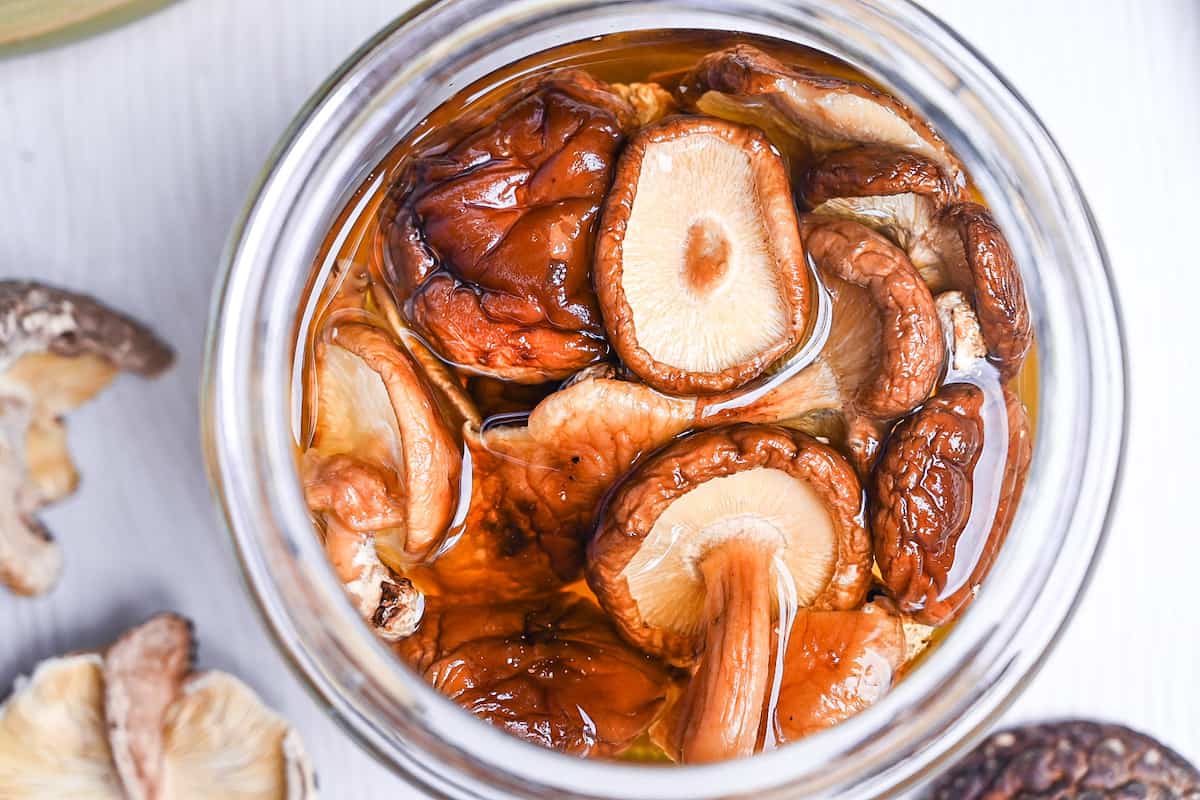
{"points": [[382, 470], [700, 268], [896, 192], [835, 665], [488, 243], [534, 667], [947, 484], [57, 350], [822, 111], [700, 547]]}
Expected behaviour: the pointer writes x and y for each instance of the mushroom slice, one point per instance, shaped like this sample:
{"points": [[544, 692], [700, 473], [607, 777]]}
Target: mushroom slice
{"points": [[144, 673], [701, 548], [835, 664], [57, 350], [536, 484], [945, 492], [397, 466], [489, 240], [699, 266], [894, 192], [826, 112], [536, 668], [53, 737]]}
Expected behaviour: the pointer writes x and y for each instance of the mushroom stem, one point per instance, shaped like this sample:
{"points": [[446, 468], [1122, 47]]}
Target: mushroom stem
{"points": [[721, 712]]}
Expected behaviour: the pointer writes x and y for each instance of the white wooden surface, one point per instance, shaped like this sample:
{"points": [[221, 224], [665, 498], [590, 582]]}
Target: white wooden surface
{"points": [[124, 159]]}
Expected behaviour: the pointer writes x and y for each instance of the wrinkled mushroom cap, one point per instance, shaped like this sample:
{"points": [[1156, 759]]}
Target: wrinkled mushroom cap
{"points": [[690, 497], [828, 112], [699, 267], [886, 344], [57, 350], [534, 669], [489, 241]]}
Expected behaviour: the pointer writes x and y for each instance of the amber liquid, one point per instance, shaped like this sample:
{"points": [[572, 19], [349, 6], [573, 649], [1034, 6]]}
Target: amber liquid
{"points": [[351, 253]]}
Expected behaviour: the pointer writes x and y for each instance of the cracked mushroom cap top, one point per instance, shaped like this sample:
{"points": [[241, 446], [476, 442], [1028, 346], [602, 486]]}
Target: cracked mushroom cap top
{"points": [[796, 494], [700, 268]]}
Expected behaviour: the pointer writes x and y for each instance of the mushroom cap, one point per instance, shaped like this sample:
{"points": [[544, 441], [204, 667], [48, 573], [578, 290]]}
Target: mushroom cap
{"points": [[536, 668], [886, 344], [987, 272], [826, 111], [133, 724], [375, 411], [536, 484], [699, 268], [694, 495], [57, 350], [935, 540], [836, 664], [894, 192], [489, 241]]}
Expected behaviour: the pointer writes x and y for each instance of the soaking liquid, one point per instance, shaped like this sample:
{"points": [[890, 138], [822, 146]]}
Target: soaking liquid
{"points": [[346, 282]]}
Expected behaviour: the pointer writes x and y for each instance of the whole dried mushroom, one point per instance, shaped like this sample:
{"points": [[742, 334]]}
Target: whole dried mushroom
{"points": [[705, 544], [489, 242], [700, 269], [533, 668], [936, 531], [826, 112], [1070, 759], [57, 350], [382, 470], [135, 722]]}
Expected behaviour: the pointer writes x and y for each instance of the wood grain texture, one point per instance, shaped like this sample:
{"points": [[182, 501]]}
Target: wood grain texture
{"points": [[124, 159]]}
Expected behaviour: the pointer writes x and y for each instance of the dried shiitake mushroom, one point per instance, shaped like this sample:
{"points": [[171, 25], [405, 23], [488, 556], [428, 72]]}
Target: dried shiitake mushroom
{"points": [[936, 534], [135, 723], [1070, 759], [382, 469], [700, 269], [895, 192], [698, 548], [747, 85], [57, 350], [489, 242], [534, 667], [836, 664]]}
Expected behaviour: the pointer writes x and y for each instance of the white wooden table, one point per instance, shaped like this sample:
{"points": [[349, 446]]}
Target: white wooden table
{"points": [[123, 160]]}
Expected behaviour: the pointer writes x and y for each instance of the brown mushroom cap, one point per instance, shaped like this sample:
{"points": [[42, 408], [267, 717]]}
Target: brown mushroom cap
{"points": [[699, 266], [981, 265], [700, 546], [894, 192], [489, 242], [535, 668], [836, 664], [57, 350], [744, 83], [935, 539], [374, 410]]}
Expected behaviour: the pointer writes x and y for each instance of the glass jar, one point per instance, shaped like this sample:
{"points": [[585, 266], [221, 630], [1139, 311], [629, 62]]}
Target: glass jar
{"points": [[928, 719]]}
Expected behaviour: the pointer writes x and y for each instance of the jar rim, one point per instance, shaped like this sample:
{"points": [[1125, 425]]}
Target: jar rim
{"points": [[936, 712]]}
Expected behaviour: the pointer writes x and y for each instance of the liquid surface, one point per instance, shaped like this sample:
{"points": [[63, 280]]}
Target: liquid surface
{"points": [[505, 557]]}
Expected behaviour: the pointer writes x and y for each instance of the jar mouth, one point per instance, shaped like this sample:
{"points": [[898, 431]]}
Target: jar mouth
{"points": [[941, 708]]}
